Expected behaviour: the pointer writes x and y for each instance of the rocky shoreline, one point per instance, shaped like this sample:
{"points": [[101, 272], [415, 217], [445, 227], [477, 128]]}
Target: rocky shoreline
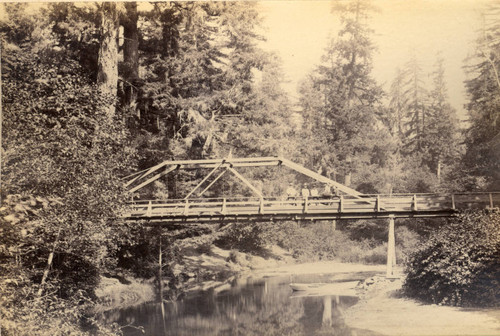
{"points": [[214, 270]]}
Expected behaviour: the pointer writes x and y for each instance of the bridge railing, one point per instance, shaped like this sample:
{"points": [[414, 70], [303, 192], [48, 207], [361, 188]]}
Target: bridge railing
{"points": [[395, 203]]}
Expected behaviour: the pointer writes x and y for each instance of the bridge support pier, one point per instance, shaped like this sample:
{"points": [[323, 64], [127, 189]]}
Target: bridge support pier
{"points": [[391, 249]]}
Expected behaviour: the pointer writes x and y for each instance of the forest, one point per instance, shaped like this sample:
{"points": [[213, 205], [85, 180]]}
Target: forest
{"points": [[92, 92]]}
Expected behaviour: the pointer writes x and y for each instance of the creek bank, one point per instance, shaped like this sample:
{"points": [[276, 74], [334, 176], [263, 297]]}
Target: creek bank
{"points": [[214, 269], [383, 309]]}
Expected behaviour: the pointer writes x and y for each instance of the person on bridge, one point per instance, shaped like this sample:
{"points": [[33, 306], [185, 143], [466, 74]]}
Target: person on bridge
{"points": [[305, 192], [291, 192]]}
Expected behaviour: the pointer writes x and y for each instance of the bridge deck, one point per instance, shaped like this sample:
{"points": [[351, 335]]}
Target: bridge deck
{"points": [[314, 208]]}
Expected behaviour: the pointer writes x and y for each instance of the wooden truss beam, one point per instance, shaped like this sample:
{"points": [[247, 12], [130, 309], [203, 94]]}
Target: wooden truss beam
{"points": [[246, 182], [203, 181], [319, 178], [152, 179], [215, 164]]}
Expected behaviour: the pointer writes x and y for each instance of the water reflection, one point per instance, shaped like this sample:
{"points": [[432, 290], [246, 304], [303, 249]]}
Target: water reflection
{"points": [[248, 307]]}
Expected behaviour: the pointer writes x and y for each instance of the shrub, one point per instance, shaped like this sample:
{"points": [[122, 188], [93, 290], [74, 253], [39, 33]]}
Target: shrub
{"points": [[459, 264], [244, 237]]}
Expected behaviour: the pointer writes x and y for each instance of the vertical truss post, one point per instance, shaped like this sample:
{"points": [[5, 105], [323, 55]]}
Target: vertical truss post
{"points": [[305, 204], [261, 206], [150, 209], [453, 201], [186, 207], [223, 211]]}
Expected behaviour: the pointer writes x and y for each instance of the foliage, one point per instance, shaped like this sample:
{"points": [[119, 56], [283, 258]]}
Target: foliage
{"points": [[482, 138], [340, 102], [62, 158], [244, 237], [319, 241], [458, 265]]}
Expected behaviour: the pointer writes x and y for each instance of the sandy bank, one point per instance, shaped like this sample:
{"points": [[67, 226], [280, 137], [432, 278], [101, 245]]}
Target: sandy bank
{"points": [[382, 309], [319, 267]]}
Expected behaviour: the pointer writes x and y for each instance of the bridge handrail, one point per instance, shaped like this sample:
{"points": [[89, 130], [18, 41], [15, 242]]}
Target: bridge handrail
{"points": [[378, 204]]}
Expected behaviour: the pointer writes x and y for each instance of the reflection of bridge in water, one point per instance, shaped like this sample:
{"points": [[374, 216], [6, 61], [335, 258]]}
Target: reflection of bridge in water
{"points": [[346, 204]]}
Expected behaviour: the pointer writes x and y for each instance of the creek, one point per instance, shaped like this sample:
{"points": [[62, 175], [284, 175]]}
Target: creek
{"points": [[247, 306]]}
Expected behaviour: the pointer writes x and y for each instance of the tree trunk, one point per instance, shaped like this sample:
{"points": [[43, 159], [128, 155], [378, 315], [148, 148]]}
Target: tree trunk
{"points": [[107, 76], [130, 55]]}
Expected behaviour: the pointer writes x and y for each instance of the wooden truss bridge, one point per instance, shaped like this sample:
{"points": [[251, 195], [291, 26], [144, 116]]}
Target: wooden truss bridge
{"points": [[344, 203]]}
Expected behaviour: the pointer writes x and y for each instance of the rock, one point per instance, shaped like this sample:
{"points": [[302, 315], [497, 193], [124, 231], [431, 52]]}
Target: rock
{"points": [[12, 219]]}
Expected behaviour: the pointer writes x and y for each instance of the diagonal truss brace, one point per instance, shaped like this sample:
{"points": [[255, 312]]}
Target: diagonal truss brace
{"points": [[214, 164]]}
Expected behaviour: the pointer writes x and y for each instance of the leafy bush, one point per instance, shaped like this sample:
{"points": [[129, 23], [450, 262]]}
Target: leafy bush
{"points": [[244, 237], [459, 264]]}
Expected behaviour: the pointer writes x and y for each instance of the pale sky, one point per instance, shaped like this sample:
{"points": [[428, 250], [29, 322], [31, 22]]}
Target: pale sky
{"points": [[299, 30]]}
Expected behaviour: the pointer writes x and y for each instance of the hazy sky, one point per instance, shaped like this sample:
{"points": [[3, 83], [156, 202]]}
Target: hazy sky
{"points": [[299, 30]]}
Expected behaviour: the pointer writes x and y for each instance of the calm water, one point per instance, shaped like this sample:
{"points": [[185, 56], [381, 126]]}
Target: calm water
{"points": [[245, 307]]}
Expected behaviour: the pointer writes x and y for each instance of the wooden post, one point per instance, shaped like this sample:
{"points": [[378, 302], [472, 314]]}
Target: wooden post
{"points": [[415, 207], [186, 207], [391, 249], [378, 203], [453, 201], [491, 201], [223, 211], [150, 209], [160, 266], [341, 204], [305, 204], [261, 206]]}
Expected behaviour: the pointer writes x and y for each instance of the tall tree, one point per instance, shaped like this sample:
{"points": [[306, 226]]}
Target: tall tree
{"points": [[483, 87], [107, 76], [130, 67], [416, 107], [349, 95], [441, 135]]}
